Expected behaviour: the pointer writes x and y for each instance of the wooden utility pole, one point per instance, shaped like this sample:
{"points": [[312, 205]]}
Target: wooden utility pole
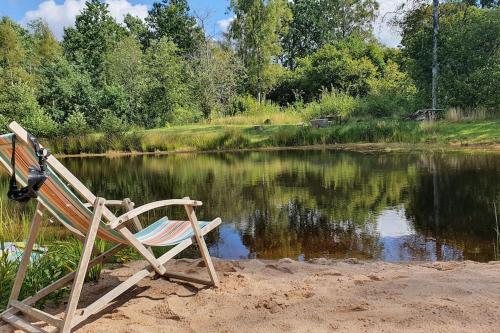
{"points": [[435, 65]]}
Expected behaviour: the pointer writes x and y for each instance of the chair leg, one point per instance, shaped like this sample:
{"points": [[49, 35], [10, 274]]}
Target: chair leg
{"points": [[82, 266], [23, 266], [202, 245]]}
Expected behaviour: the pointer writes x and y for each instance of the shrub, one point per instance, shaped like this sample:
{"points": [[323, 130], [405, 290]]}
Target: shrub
{"points": [[76, 124], [39, 124], [332, 103], [249, 105], [391, 94], [112, 125], [182, 116], [380, 105]]}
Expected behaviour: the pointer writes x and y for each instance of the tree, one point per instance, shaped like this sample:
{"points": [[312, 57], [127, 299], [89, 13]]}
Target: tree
{"points": [[17, 85], [46, 48], [468, 53], [346, 66], [256, 30], [171, 19], [94, 34], [217, 75], [125, 81], [317, 23], [65, 90], [137, 28], [167, 87]]}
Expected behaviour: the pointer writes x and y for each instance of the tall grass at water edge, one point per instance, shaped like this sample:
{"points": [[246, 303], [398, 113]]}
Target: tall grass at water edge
{"points": [[217, 137]]}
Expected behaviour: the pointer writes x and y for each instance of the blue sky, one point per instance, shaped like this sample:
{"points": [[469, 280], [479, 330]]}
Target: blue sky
{"points": [[61, 13]]}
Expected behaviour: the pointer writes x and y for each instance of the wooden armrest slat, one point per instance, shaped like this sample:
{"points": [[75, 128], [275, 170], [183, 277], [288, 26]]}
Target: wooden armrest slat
{"points": [[150, 206]]}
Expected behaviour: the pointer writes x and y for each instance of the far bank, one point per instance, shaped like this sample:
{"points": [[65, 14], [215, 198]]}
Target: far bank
{"points": [[379, 135]]}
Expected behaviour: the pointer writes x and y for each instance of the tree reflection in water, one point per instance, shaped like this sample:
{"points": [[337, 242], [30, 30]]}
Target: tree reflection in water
{"points": [[306, 204]]}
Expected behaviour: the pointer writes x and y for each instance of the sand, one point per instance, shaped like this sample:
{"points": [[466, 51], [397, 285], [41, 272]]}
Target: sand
{"points": [[319, 296]]}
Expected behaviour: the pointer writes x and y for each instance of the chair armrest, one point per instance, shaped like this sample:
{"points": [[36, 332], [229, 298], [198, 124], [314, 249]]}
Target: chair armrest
{"points": [[150, 206], [115, 202], [108, 203]]}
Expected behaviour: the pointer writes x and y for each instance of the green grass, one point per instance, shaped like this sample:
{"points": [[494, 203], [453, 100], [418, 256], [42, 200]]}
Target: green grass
{"points": [[486, 132], [203, 137]]}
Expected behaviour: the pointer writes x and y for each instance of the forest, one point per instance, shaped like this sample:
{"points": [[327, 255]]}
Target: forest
{"points": [[299, 59]]}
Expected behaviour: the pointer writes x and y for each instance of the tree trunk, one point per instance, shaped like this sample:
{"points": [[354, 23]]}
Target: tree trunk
{"points": [[435, 66]]}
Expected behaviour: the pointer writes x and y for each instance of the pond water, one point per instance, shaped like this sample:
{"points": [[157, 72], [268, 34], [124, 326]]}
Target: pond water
{"points": [[308, 204]]}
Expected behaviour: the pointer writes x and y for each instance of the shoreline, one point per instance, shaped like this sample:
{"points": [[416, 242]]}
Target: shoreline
{"points": [[354, 147], [317, 296]]}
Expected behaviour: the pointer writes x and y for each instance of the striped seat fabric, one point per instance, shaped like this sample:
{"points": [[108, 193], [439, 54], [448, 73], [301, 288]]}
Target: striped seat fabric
{"points": [[66, 206], [55, 195], [165, 232]]}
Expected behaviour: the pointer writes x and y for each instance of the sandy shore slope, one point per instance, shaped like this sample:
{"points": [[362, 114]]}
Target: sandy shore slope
{"points": [[323, 296]]}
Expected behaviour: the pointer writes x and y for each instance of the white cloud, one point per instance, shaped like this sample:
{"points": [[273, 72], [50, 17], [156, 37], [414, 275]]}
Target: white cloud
{"points": [[224, 23], [60, 16], [119, 8], [387, 34]]}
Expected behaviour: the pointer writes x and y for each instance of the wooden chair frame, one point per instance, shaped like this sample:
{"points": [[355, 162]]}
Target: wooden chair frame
{"points": [[72, 315]]}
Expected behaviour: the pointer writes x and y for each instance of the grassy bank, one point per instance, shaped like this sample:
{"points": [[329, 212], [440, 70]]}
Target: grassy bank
{"points": [[203, 137]]}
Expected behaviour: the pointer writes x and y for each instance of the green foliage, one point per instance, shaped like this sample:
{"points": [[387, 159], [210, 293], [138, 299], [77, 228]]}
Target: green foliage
{"points": [[469, 56], [125, 82], [256, 30], [76, 125], [167, 85], [249, 105], [137, 28], [95, 33], [217, 76], [171, 19], [368, 131], [45, 46], [333, 103], [38, 123], [318, 23], [164, 71], [65, 90], [230, 139], [112, 125], [345, 66], [392, 93], [182, 116]]}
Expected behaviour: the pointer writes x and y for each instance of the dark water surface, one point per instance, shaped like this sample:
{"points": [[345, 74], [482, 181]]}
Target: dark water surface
{"points": [[307, 204]]}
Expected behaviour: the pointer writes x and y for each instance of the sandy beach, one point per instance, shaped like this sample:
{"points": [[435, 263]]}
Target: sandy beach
{"points": [[318, 296]]}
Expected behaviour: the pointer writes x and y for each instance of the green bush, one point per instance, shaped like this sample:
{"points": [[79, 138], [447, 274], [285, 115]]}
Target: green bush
{"points": [[392, 94], [39, 124], [249, 105], [183, 116], [76, 125], [335, 103], [112, 125]]}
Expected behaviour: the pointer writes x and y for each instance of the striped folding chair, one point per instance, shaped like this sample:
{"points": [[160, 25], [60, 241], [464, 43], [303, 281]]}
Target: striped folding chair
{"points": [[64, 197]]}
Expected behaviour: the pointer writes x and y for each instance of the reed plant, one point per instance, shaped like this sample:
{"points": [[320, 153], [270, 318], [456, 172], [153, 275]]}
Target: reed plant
{"points": [[284, 117], [472, 114]]}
